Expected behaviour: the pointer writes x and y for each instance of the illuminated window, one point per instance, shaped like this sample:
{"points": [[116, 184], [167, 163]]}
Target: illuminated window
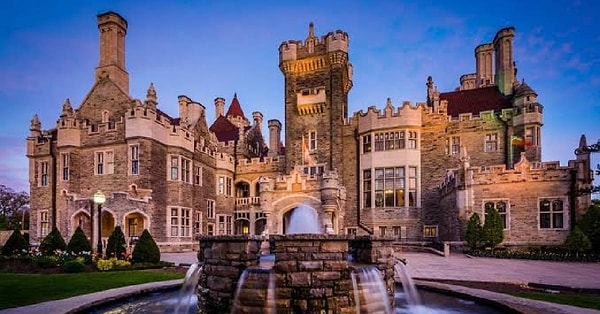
{"points": [[491, 142], [389, 187], [412, 186], [502, 207], [552, 213], [430, 231]]}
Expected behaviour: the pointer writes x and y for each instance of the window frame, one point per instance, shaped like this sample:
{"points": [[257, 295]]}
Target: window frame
{"points": [[504, 215], [134, 159], [552, 213]]}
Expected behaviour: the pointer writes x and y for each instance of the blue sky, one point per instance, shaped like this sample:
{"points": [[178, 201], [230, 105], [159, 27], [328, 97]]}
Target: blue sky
{"points": [[208, 49]]}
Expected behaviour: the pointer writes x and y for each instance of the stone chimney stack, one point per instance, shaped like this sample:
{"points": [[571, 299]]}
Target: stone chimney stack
{"points": [[112, 29], [219, 107], [274, 137], [258, 119]]}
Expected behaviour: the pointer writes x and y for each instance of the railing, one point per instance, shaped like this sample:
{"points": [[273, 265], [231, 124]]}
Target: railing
{"points": [[241, 201]]}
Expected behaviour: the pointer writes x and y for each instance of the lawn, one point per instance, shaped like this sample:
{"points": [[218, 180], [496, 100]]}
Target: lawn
{"points": [[581, 300], [17, 289]]}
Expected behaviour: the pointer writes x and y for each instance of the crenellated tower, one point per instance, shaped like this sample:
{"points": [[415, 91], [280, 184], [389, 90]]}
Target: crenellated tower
{"points": [[113, 29], [318, 77]]}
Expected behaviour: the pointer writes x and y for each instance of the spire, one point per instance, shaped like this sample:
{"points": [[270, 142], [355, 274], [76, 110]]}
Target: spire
{"points": [[311, 30], [235, 109], [67, 110], [36, 125]]}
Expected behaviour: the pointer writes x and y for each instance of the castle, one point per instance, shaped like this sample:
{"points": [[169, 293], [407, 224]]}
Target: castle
{"points": [[413, 171]]}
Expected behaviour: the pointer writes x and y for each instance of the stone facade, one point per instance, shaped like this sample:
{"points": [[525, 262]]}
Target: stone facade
{"points": [[382, 171]]}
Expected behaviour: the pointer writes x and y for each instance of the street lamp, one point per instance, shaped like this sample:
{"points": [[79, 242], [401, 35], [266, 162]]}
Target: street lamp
{"points": [[99, 199]]}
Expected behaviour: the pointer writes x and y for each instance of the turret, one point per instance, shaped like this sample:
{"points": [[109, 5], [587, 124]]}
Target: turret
{"points": [[274, 137], [113, 29], [189, 111], [258, 119], [528, 120], [505, 67], [151, 100], [484, 74], [35, 127], [219, 107]]}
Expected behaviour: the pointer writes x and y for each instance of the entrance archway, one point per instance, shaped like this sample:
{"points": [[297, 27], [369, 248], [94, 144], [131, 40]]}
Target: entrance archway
{"points": [[82, 220]]}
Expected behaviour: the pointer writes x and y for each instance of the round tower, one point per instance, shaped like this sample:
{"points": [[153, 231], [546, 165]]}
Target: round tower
{"points": [[274, 137], [505, 67], [527, 123]]}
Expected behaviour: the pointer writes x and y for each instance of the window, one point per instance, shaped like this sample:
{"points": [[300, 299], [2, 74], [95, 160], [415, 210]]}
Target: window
{"points": [[430, 231], [179, 222], [110, 162], [134, 159], [379, 142], [198, 223], [491, 142], [99, 162], [221, 185], [454, 148], [382, 231], [133, 227], [210, 229], [185, 170], [552, 214], [389, 187], [351, 231], [65, 166], [532, 136], [210, 209], [412, 186], [44, 224], [198, 175], [367, 188], [224, 224], [313, 170], [229, 187], [312, 140], [502, 208], [366, 143], [174, 168], [412, 140], [401, 139], [44, 173]]}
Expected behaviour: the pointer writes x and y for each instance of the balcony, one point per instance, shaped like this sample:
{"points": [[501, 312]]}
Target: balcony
{"points": [[247, 201]]}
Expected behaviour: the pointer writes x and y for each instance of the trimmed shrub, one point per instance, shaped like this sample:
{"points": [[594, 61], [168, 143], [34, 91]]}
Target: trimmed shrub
{"points": [[43, 261], [73, 266], [578, 242], [146, 250], [493, 231], [474, 234], [590, 225], [52, 242], [15, 244], [79, 242], [116, 244]]}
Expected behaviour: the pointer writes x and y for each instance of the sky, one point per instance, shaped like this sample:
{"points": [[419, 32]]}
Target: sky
{"points": [[209, 49]]}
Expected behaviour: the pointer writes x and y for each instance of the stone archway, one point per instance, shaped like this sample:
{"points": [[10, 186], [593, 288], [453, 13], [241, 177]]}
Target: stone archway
{"points": [[82, 219], [309, 221], [242, 226], [260, 225], [108, 224], [135, 223]]}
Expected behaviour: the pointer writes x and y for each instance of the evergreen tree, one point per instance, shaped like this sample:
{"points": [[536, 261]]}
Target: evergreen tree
{"points": [[79, 242], [116, 246], [590, 225], [52, 242], [493, 231], [15, 244], [474, 232], [146, 250], [578, 242]]}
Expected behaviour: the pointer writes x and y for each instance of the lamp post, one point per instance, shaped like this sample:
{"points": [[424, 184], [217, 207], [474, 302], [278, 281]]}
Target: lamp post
{"points": [[99, 199]]}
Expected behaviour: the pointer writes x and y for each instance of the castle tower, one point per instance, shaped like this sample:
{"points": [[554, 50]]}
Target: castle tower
{"points": [[112, 29], [505, 67], [527, 121], [274, 137], [484, 65], [318, 78]]}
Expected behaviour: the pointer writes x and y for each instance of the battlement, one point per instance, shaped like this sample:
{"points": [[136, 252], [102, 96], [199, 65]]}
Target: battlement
{"points": [[482, 115], [312, 45], [405, 115], [111, 17], [484, 48], [337, 40]]}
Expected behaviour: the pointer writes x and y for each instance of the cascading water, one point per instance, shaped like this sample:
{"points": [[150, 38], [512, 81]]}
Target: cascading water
{"points": [[369, 291], [304, 220], [410, 293], [187, 300], [255, 292]]}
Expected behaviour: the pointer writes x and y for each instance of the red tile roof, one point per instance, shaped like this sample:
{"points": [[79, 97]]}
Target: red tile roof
{"points": [[224, 130], [235, 109], [475, 100]]}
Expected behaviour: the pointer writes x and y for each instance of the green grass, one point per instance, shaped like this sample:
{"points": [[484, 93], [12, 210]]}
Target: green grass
{"points": [[581, 300], [24, 289]]}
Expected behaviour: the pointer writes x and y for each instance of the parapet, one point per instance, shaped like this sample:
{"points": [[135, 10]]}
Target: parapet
{"points": [[336, 41], [112, 17], [504, 32]]}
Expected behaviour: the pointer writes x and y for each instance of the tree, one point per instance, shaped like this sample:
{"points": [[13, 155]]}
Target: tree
{"points": [[590, 225], [52, 242], [146, 250], [15, 244], [79, 242], [116, 244], [474, 234], [577, 241], [493, 230], [13, 208]]}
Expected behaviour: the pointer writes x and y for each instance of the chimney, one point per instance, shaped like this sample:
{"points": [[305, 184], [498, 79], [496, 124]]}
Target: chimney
{"points": [[112, 29], [274, 137], [219, 107]]}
